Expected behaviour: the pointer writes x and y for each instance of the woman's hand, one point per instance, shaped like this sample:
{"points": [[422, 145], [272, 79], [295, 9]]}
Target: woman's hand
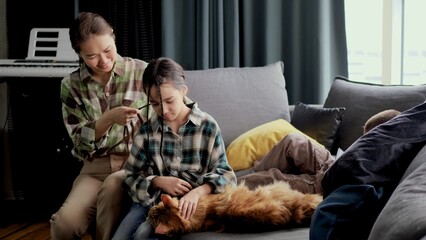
{"points": [[119, 115], [122, 115]]}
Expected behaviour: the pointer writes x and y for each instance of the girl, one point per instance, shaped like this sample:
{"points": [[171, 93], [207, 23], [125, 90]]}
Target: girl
{"points": [[179, 151]]}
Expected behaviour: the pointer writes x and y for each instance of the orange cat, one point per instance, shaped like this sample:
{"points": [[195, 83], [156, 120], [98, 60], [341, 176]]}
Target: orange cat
{"points": [[238, 209]]}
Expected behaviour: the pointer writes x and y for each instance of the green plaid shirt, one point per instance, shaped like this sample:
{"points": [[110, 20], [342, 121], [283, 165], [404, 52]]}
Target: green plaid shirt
{"points": [[196, 154], [84, 101]]}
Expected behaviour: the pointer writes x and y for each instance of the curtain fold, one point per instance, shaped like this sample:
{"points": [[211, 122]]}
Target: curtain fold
{"points": [[308, 36], [201, 34], [136, 24], [133, 22]]}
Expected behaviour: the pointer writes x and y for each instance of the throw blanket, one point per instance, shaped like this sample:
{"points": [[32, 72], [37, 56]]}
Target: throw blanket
{"points": [[358, 185], [381, 156]]}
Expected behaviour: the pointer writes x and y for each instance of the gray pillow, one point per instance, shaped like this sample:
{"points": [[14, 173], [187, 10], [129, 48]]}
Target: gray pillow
{"points": [[363, 100], [404, 215], [319, 123], [240, 98]]}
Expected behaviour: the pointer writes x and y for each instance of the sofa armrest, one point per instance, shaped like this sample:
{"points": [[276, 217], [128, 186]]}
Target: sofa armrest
{"points": [[407, 203]]}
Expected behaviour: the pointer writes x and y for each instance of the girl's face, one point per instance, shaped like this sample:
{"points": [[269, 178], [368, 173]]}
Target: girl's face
{"points": [[99, 53], [172, 101]]}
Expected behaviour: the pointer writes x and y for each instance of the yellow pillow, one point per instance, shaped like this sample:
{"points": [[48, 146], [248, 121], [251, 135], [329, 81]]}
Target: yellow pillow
{"points": [[253, 144]]}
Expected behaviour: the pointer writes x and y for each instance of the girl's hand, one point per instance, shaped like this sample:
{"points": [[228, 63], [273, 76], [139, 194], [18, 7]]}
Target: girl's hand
{"points": [[172, 185], [188, 204]]}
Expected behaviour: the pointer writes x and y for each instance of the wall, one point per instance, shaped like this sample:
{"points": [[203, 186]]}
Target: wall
{"points": [[31, 169], [6, 181], [3, 41], [3, 55]]}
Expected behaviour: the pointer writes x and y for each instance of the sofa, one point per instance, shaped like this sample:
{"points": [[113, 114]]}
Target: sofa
{"points": [[252, 109]]}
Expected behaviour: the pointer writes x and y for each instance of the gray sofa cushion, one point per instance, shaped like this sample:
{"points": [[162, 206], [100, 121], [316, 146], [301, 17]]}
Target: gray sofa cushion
{"points": [[287, 234], [404, 215], [363, 100], [240, 98]]}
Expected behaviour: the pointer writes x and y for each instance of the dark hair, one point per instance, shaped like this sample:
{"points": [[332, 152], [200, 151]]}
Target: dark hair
{"points": [[85, 26], [157, 72], [161, 70]]}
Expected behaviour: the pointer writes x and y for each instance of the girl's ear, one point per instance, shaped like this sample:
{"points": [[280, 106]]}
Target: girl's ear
{"points": [[185, 90]]}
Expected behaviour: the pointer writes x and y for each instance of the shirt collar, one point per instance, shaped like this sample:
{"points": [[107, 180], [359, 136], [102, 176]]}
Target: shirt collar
{"points": [[195, 116]]}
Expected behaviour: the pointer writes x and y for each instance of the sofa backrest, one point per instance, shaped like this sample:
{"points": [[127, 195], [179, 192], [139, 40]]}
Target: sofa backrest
{"points": [[363, 100], [240, 98]]}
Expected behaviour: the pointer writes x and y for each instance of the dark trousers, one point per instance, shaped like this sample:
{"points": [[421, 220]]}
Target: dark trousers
{"points": [[348, 213], [296, 160]]}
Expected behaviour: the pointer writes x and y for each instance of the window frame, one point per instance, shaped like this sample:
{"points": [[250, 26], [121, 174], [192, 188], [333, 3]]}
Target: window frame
{"points": [[392, 42]]}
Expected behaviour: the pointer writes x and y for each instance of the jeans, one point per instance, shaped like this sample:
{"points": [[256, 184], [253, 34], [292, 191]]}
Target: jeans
{"points": [[134, 224]]}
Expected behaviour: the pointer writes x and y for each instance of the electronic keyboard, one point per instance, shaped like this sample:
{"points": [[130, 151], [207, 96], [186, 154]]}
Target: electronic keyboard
{"points": [[49, 55]]}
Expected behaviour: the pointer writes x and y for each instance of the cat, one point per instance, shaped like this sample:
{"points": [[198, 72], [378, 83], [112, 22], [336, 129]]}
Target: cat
{"points": [[237, 209]]}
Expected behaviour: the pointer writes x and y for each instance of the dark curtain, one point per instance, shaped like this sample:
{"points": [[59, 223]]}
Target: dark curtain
{"points": [[135, 27], [135, 22], [308, 36]]}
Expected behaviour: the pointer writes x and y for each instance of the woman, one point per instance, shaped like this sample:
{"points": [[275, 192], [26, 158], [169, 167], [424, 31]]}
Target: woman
{"points": [[100, 104]]}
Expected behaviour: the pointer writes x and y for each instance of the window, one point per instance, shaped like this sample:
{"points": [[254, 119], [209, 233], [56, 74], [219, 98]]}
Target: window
{"points": [[414, 58], [385, 41]]}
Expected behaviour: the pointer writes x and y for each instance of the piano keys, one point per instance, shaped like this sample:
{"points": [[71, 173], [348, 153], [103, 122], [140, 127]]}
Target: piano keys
{"points": [[49, 55], [36, 68]]}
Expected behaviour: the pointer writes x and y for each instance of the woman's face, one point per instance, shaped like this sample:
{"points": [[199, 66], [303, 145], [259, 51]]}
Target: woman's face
{"points": [[99, 53]]}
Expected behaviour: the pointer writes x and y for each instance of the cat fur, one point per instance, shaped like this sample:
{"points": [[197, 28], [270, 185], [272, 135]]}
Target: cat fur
{"points": [[238, 209]]}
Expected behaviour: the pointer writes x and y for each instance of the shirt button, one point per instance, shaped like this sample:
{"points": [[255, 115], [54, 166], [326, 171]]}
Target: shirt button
{"points": [[178, 158], [107, 94], [174, 173]]}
